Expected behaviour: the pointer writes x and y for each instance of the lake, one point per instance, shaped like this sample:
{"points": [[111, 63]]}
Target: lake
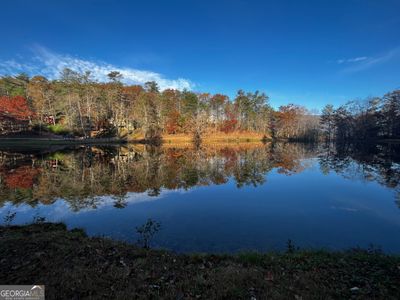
{"points": [[216, 198]]}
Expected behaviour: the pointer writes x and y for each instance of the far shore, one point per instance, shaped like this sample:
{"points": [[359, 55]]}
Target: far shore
{"points": [[167, 139], [33, 140]]}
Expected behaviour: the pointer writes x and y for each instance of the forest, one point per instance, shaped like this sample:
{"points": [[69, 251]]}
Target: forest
{"points": [[75, 105]]}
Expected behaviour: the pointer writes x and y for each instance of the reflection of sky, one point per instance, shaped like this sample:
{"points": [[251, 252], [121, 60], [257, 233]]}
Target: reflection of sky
{"points": [[61, 209], [312, 209]]}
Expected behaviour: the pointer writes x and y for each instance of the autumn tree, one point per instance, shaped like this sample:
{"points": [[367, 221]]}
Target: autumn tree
{"points": [[15, 113], [171, 111], [296, 122]]}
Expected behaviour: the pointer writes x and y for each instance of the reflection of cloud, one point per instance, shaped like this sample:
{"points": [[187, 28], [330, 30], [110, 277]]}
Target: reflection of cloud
{"points": [[369, 62], [345, 208], [61, 209], [131, 198], [50, 64], [9, 206]]}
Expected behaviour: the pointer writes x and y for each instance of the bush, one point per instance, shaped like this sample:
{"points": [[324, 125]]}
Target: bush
{"points": [[58, 129]]}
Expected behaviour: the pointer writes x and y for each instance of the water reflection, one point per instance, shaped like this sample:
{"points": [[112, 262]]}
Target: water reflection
{"points": [[82, 175], [365, 162]]}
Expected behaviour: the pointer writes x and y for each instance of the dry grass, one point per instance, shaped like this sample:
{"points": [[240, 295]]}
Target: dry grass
{"points": [[215, 146], [215, 137]]}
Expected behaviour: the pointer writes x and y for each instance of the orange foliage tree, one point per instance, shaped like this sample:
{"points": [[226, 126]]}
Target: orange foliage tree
{"points": [[16, 108], [15, 114]]}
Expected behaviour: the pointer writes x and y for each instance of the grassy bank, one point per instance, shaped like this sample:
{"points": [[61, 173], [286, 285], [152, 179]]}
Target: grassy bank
{"points": [[37, 142], [73, 266], [235, 137]]}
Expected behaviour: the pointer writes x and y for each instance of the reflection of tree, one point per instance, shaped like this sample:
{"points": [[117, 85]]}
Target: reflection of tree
{"points": [[367, 162], [250, 170], [83, 175], [289, 158], [21, 178], [398, 198], [120, 201]]}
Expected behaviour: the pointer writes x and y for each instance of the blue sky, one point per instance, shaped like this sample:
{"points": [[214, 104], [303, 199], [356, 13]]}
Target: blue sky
{"points": [[304, 52]]}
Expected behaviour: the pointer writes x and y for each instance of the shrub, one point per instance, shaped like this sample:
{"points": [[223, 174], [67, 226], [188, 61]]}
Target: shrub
{"points": [[58, 129]]}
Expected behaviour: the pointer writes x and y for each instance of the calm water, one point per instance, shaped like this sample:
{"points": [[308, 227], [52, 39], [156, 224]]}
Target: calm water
{"points": [[222, 198]]}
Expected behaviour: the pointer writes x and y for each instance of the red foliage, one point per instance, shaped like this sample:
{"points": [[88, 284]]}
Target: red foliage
{"points": [[131, 93], [288, 113], [16, 108], [22, 178], [172, 123], [218, 100], [231, 121], [228, 126]]}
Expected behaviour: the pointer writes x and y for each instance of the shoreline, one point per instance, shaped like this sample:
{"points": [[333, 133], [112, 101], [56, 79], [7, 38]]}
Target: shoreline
{"points": [[56, 141], [73, 265], [172, 139], [166, 139]]}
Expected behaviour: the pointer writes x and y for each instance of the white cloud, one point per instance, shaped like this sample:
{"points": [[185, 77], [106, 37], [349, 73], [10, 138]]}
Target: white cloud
{"points": [[351, 60], [50, 64]]}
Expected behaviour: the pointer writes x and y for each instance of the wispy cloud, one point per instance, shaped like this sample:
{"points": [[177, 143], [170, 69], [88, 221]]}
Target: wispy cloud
{"points": [[363, 63], [12, 67], [351, 60], [50, 64]]}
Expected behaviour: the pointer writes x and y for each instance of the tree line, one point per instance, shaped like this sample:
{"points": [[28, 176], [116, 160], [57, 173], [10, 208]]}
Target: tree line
{"points": [[371, 118], [76, 105]]}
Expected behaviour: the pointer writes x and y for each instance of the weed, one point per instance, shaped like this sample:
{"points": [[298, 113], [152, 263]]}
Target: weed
{"points": [[146, 232]]}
